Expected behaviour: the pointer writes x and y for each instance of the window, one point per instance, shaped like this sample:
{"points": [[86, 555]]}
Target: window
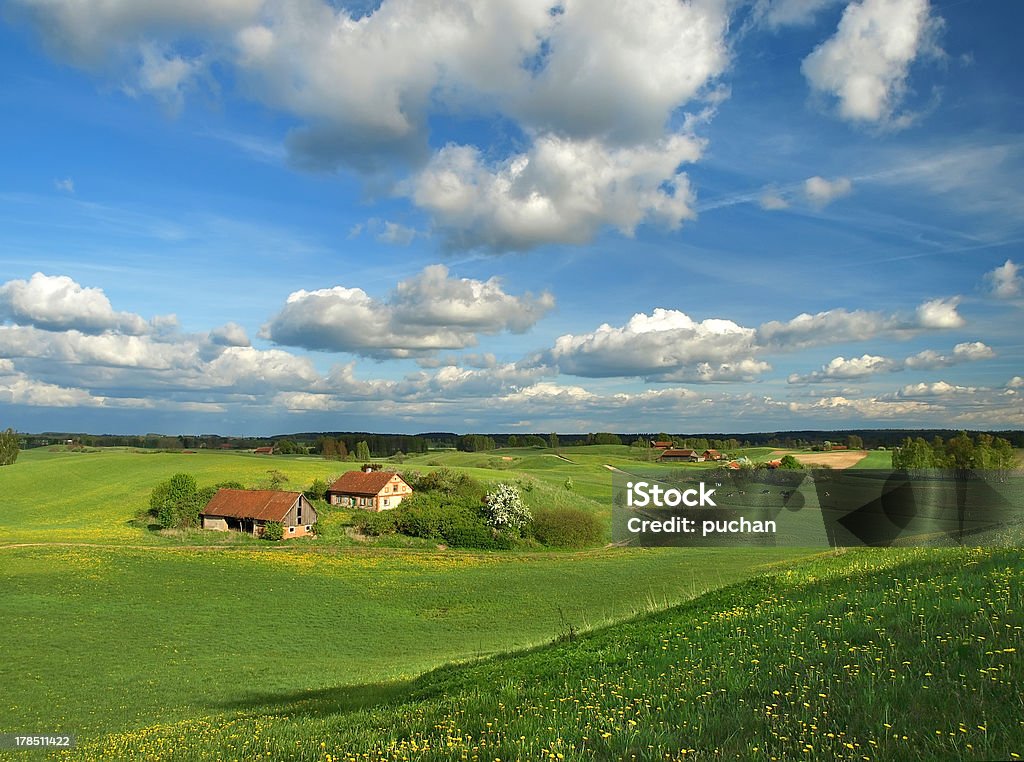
{"points": [[291, 530], [307, 528], [385, 501]]}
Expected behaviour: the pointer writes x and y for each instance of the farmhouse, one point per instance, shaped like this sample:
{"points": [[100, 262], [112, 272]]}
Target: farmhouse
{"points": [[370, 490], [244, 510], [263, 451], [690, 456], [657, 444], [712, 455]]}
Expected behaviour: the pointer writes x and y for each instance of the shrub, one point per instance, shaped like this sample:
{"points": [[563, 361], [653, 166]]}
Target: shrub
{"points": [[273, 530], [176, 502], [463, 528], [568, 484], [8, 447], [316, 490], [505, 509], [420, 515], [375, 524], [449, 482], [566, 528]]}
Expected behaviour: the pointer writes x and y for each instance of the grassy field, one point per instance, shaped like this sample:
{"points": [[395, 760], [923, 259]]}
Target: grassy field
{"points": [[97, 496], [209, 646], [878, 655], [94, 496], [105, 639]]}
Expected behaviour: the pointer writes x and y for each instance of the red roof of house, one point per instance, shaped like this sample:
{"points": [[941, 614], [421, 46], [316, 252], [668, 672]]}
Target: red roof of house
{"points": [[264, 451], [362, 483], [662, 444], [680, 453], [262, 504]]}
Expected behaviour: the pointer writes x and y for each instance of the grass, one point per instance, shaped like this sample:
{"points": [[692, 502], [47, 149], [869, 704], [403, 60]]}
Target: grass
{"points": [[878, 655], [94, 496], [99, 640], [880, 459], [215, 646]]}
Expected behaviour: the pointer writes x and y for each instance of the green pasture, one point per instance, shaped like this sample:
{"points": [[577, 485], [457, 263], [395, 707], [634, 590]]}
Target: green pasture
{"points": [[99, 640], [868, 654]]}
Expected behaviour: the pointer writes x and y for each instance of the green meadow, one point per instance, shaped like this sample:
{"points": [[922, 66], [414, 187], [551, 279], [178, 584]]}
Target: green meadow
{"points": [[101, 639], [868, 654], [161, 645]]}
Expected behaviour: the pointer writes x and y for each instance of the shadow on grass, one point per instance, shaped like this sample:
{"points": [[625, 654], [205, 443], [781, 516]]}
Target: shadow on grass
{"points": [[321, 702]]}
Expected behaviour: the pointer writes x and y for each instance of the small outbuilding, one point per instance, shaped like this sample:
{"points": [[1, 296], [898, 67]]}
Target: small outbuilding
{"points": [[369, 490], [712, 455], [249, 510], [688, 456]]}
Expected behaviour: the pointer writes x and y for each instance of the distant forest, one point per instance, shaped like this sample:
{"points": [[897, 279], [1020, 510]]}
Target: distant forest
{"points": [[342, 443]]}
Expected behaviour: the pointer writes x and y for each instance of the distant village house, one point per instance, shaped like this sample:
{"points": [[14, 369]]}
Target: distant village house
{"points": [[369, 490], [661, 445], [248, 511], [263, 451], [712, 455], [688, 456]]}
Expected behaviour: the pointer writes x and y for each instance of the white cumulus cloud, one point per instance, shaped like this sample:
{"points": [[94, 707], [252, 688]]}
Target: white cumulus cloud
{"points": [[58, 303], [840, 368], [562, 190], [866, 63], [427, 312], [821, 192], [1005, 281]]}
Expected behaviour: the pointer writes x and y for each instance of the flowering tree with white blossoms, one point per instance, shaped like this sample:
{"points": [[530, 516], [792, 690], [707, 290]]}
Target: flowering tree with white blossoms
{"points": [[505, 509]]}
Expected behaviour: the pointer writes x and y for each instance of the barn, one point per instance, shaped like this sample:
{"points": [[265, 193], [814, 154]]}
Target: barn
{"points": [[688, 456], [248, 511]]}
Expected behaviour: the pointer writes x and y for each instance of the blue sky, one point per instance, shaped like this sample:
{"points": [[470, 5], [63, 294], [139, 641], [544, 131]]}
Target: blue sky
{"points": [[250, 216]]}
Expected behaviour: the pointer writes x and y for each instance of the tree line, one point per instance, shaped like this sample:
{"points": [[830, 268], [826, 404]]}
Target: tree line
{"points": [[981, 452]]}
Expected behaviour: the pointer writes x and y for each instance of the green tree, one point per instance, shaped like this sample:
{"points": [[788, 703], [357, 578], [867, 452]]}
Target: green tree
{"points": [[513, 440], [362, 451], [8, 447], [176, 503], [854, 442], [317, 490], [915, 454], [553, 441], [790, 463]]}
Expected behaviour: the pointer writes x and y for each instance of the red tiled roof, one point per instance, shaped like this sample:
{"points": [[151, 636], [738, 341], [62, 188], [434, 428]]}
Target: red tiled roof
{"points": [[264, 451], [262, 504], [362, 483], [662, 444], [680, 453]]}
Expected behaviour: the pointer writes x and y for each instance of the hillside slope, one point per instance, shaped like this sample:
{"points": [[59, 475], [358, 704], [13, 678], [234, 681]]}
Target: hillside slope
{"points": [[868, 654]]}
